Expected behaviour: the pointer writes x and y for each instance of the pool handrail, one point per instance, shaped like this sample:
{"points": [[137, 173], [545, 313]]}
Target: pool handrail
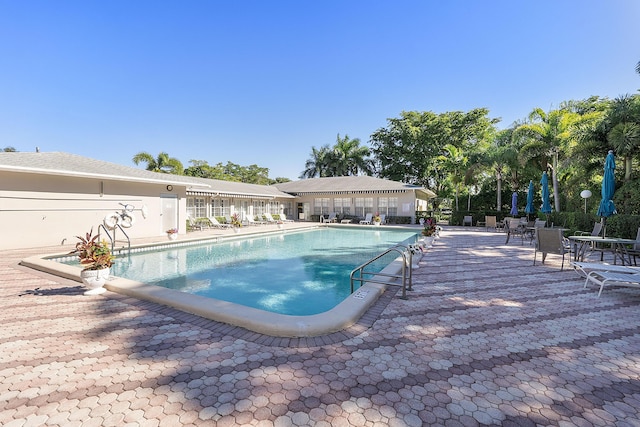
{"points": [[403, 251]]}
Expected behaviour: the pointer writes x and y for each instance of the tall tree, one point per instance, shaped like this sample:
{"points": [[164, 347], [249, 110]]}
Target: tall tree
{"points": [[350, 157], [624, 134], [455, 161], [9, 149], [411, 147], [318, 164], [548, 137], [163, 163], [346, 157]]}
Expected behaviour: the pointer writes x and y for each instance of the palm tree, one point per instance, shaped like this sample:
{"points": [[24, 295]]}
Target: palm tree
{"points": [[350, 157], [163, 163], [454, 161], [547, 136], [624, 134], [318, 164]]}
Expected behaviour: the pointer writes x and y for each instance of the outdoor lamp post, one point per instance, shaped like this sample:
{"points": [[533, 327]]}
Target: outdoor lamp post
{"points": [[585, 194]]}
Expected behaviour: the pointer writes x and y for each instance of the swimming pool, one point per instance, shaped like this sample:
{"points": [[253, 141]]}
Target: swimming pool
{"points": [[296, 273]]}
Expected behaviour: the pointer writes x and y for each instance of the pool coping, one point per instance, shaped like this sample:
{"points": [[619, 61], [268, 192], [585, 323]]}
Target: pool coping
{"points": [[343, 315]]}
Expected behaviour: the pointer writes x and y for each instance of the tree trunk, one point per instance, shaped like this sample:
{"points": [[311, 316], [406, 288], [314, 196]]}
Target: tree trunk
{"points": [[554, 174], [499, 195], [627, 168]]}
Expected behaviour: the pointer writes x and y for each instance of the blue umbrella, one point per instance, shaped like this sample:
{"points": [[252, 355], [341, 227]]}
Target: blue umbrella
{"points": [[514, 204], [546, 204], [607, 208], [529, 209]]}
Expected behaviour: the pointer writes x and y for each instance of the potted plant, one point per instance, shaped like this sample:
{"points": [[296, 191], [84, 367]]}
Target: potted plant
{"points": [[429, 230], [172, 233], [96, 258], [236, 223], [376, 219]]}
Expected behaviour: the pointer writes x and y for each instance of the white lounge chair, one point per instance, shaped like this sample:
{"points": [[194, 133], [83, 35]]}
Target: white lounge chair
{"points": [[250, 221], [367, 219], [612, 278], [588, 267], [193, 224], [333, 217], [269, 218], [217, 224], [383, 219], [284, 218]]}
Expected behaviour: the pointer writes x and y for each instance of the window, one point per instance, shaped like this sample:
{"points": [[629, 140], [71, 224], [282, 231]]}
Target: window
{"points": [[364, 205], [220, 207], [342, 205], [287, 209], [321, 206], [196, 207], [258, 208], [388, 206]]}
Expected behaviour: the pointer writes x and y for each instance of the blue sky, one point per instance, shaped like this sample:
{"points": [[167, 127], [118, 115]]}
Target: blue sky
{"points": [[261, 82]]}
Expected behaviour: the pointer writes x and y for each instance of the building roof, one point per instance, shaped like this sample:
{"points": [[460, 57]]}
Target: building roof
{"points": [[238, 189], [66, 164], [57, 163], [351, 185]]}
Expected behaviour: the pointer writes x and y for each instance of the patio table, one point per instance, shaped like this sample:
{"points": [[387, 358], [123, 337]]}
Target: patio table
{"points": [[617, 246]]}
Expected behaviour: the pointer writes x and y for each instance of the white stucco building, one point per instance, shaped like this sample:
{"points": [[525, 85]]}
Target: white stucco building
{"points": [[49, 198]]}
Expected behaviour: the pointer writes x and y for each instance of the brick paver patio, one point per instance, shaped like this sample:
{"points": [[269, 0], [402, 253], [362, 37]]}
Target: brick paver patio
{"points": [[485, 338]]}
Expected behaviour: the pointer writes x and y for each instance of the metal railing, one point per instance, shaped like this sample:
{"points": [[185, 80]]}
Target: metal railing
{"points": [[112, 239], [406, 254]]}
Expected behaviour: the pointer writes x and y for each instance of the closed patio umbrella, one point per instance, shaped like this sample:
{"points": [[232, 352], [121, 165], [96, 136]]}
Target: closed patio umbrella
{"points": [[514, 204], [529, 209], [546, 203], [607, 208]]}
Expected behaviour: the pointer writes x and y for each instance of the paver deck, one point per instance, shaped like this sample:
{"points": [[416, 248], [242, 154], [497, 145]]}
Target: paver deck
{"points": [[485, 338]]}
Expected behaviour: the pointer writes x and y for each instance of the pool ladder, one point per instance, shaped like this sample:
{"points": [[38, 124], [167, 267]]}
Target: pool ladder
{"points": [[113, 240], [358, 274]]}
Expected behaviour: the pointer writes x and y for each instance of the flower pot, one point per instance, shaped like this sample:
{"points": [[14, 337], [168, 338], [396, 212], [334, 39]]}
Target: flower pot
{"points": [[172, 236], [280, 225], [376, 223], [236, 230], [94, 280]]}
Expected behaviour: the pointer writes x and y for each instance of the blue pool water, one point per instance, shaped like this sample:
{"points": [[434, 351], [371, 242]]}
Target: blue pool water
{"points": [[298, 273]]}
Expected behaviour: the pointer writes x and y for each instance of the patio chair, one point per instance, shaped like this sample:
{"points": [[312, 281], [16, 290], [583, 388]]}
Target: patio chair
{"points": [[383, 219], [267, 216], [367, 219], [634, 251], [513, 227], [193, 224], [490, 222], [584, 268], [597, 229], [251, 221], [468, 219], [611, 278], [333, 217], [550, 241], [217, 224], [284, 218]]}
